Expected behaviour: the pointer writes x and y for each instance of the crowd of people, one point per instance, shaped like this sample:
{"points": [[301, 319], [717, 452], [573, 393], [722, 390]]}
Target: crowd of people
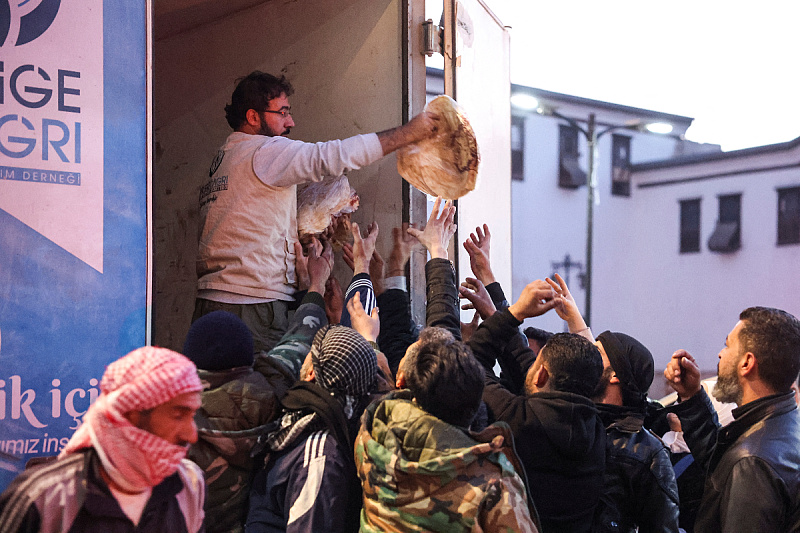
{"points": [[296, 406]]}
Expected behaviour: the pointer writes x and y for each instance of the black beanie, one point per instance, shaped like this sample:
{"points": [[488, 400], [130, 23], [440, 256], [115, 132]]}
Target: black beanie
{"points": [[219, 341], [633, 364]]}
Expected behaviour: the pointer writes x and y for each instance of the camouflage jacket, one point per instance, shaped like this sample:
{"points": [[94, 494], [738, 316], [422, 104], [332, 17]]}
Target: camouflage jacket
{"points": [[421, 474], [237, 404]]}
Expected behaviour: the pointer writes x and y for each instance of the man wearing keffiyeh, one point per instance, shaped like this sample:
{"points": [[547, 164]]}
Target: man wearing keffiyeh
{"points": [[309, 482], [124, 469]]}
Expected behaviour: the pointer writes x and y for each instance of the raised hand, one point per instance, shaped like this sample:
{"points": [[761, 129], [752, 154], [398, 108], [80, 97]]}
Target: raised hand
{"points": [[477, 246], [347, 255], [334, 300], [468, 328], [402, 245], [320, 265], [439, 230], [566, 307], [376, 273], [369, 326], [536, 299], [474, 291], [363, 247], [683, 374]]}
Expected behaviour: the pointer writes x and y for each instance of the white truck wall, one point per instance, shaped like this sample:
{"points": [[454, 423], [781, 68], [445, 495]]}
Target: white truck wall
{"points": [[483, 89]]}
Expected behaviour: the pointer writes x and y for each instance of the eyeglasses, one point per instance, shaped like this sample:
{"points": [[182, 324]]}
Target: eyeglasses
{"points": [[283, 112]]}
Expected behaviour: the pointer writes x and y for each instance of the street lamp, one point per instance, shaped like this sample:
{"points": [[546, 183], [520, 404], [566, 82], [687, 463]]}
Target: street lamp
{"points": [[592, 136]]}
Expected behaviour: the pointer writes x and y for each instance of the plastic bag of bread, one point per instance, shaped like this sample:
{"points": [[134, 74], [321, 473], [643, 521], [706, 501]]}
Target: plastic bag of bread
{"points": [[446, 164], [324, 207]]}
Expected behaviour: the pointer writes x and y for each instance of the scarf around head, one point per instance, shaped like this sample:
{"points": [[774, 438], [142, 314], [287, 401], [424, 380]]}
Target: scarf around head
{"points": [[133, 458], [633, 364], [345, 373], [345, 364]]}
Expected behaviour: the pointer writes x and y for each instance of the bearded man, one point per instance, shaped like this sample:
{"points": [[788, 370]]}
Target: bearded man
{"points": [[752, 464], [248, 204]]}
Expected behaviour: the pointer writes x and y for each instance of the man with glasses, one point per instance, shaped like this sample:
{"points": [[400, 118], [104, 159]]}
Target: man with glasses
{"points": [[248, 204]]}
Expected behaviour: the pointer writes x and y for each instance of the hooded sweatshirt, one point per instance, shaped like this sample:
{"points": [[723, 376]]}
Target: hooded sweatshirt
{"points": [[419, 473], [560, 437]]}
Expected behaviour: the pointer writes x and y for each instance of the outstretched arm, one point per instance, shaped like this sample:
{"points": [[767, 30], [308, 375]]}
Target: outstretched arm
{"points": [[478, 247], [698, 417], [442, 294], [418, 128], [536, 299], [439, 230], [363, 249], [398, 330], [319, 265], [475, 293], [368, 325]]}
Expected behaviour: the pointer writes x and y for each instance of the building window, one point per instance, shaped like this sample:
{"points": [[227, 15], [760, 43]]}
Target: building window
{"points": [[789, 216], [570, 175], [727, 235], [690, 226], [517, 148], [620, 165]]}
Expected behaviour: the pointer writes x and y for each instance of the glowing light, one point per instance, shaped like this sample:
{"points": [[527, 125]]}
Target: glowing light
{"points": [[524, 101], [659, 127]]}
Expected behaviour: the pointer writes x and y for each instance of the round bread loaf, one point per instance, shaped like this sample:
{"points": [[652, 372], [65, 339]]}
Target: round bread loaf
{"points": [[446, 164], [320, 203]]}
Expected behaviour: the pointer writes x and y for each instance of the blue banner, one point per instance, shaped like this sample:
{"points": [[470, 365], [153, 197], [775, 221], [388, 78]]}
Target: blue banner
{"points": [[73, 212]]}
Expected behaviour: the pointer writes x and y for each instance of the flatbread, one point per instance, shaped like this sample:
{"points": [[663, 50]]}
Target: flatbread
{"points": [[320, 204], [446, 164]]}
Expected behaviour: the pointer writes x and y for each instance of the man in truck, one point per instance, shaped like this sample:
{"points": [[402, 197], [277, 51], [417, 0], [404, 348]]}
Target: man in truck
{"points": [[248, 204]]}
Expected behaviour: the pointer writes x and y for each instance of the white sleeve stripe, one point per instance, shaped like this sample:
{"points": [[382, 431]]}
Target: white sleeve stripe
{"points": [[308, 495], [321, 448], [309, 451], [371, 301]]}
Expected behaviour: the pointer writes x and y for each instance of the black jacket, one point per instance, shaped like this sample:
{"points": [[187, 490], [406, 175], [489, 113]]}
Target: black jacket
{"points": [[441, 291], [752, 464], [311, 484], [639, 482], [398, 330], [559, 436]]}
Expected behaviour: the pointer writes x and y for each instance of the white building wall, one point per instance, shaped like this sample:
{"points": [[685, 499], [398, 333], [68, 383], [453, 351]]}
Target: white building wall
{"points": [[642, 284], [549, 222], [671, 300]]}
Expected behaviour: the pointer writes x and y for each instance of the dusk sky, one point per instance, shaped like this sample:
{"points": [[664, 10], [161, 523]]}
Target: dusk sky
{"points": [[728, 64]]}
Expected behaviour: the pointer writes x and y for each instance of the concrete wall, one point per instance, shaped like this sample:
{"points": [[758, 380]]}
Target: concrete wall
{"points": [[345, 60]]}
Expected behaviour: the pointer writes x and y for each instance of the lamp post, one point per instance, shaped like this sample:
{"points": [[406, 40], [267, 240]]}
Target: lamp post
{"points": [[530, 102], [592, 136]]}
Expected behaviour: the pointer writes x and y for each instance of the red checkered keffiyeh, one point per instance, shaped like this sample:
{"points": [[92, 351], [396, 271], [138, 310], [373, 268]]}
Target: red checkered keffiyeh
{"points": [[135, 459]]}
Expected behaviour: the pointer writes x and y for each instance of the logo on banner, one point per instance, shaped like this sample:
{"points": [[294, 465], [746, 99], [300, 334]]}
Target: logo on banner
{"points": [[51, 121], [23, 21]]}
